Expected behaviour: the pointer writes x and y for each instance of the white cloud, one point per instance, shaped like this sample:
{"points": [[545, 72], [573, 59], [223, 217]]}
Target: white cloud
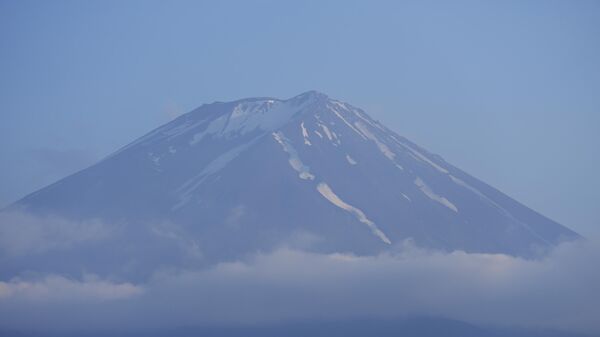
{"points": [[172, 232], [22, 233], [560, 291], [59, 288]]}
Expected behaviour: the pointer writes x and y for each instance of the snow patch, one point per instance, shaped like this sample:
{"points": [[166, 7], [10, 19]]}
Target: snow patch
{"points": [[497, 206], [294, 158], [339, 104], [358, 113], [347, 123], [305, 134], [351, 160], [328, 194], [463, 184], [168, 131], [248, 116], [420, 156], [336, 140], [155, 161], [181, 129], [326, 131], [265, 115], [384, 149], [433, 196], [213, 128]]}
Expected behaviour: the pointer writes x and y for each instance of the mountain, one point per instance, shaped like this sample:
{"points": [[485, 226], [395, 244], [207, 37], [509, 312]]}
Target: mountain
{"points": [[232, 178]]}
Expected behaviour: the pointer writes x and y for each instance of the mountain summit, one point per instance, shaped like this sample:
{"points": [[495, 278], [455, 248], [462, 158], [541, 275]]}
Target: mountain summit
{"points": [[252, 174]]}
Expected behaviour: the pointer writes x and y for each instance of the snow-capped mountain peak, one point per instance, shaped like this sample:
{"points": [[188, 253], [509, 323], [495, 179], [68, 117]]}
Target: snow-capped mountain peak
{"points": [[253, 173]]}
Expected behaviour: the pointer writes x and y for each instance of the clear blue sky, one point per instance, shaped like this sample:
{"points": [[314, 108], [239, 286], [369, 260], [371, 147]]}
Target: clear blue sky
{"points": [[508, 90]]}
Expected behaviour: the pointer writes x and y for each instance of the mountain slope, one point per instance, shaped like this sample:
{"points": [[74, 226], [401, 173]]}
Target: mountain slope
{"points": [[252, 174]]}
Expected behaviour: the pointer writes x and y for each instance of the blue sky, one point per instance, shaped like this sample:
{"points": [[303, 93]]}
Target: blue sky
{"points": [[508, 91]]}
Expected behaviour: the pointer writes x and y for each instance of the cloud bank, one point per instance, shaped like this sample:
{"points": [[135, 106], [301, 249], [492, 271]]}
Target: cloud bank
{"points": [[56, 288], [560, 291], [22, 233]]}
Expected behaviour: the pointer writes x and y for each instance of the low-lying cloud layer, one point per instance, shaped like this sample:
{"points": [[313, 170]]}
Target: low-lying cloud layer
{"points": [[56, 288], [60, 274], [561, 291], [22, 233]]}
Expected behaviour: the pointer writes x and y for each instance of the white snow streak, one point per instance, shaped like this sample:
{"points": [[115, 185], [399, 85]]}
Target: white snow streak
{"points": [[214, 127], [326, 130], [433, 196], [182, 128], [305, 134], [385, 150], [185, 191], [359, 115], [265, 115], [328, 194], [421, 156], [294, 159], [167, 131], [155, 159], [351, 160], [496, 205], [473, 189], [462, 183], [347, 123]]}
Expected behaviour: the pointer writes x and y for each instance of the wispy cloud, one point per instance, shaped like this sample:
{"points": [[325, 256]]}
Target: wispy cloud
{"points": [[187, 244], [58, 288], [22, 233]]}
